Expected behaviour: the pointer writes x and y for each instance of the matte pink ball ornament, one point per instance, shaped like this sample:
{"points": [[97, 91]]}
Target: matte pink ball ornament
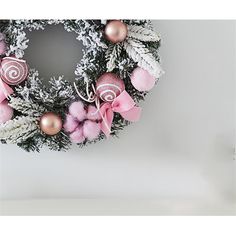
{"points": [[13, 71], [109, 86], [142, 80], [116, 31], [6, 112]]}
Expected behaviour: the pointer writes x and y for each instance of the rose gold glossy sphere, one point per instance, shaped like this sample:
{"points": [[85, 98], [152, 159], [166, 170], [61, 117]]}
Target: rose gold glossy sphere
{"points": [[50, 123], [116, 31]]}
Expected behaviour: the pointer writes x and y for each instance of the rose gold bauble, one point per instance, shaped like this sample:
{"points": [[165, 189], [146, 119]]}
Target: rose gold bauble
{"points": [[50, 123], [116, 31]]}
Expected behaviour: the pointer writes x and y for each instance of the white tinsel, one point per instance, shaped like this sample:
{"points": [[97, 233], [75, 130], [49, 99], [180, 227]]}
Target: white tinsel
{"points": [[18, 129], [140, 54]]}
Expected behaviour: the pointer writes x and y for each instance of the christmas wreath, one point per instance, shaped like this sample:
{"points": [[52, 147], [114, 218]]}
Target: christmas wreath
{"points": [[120, 65]]}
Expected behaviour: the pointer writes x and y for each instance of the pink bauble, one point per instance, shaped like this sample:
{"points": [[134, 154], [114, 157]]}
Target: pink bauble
{"points": [[93, 113], [3, 47], [77, 136], [109, 86], [142, 80], [6, 112], [77, 110], [70, 123], [13, 70], [91, 129], [116, 31]]}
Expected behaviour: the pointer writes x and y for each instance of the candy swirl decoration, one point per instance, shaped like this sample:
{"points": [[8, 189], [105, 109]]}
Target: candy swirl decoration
{"points": [[109, 86], [13, 71]]}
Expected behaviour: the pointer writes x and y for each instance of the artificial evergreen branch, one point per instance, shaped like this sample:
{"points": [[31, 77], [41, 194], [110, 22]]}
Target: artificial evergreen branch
{"points": [[140, 54], [142, 34], [112, 54]]}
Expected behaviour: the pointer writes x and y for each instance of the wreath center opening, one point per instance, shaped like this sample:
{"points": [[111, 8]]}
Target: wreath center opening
{"points": [[53, 52]]}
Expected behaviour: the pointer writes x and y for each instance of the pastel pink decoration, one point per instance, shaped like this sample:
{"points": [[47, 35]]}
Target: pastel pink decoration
{"points": [[124, 105], [3, 47], [77, 136], [91, 130], [142, 80], [109, 86], [6, 112], [13, 71], [5, 91], [93, 113], [77, 110], [70, 123]]}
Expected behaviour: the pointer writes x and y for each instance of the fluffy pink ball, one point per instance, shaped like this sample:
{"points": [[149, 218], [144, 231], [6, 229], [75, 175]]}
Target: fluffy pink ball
{"points": [[142, 80], [91, 129], [6, 112], [77, 136], [93, 114], [70, 123], [77, 110], [3, 47]]}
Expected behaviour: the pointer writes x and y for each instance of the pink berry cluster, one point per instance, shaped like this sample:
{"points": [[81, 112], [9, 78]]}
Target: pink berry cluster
{"points": [[82, 123]]}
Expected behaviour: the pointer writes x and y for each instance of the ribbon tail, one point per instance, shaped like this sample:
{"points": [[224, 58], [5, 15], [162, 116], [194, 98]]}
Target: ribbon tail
{"points": [[133, 114], [107, 119]]}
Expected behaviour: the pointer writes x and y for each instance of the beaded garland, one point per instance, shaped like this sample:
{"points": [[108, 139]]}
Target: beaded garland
{"points": [[120, 65]]}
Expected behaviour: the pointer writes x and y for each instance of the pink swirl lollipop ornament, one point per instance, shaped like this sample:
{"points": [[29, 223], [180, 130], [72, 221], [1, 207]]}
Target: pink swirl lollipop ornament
{"points": [[13, 71]]}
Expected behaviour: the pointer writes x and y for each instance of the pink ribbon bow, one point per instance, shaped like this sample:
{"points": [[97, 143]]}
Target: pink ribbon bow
{"points": [[5, 90], [122, 104]]}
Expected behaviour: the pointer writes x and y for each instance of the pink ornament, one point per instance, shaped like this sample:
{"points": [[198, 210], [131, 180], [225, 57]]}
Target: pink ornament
{"points": [[70, 124], [77, 136], [109, 86], [3, 47], [93, 113], [6, 112], [13, 70], [142, 80], [4, 88], [77, 110], [91, 129]]}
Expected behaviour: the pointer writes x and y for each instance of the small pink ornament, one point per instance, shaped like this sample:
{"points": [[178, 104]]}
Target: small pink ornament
{"points": [[77, 136], [109, 86], [91, 130], [6, 112], [3, 47], [93, 113], [70, 123], [77, 110], [142, 80], [116, 31], [13, 71]]}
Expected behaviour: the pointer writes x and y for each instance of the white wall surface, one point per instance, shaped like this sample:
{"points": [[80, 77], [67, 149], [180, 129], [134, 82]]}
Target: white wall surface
{"points": [[181, 151]]}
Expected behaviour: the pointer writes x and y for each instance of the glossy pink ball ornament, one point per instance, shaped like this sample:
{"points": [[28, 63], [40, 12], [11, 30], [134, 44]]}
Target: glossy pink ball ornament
{"points": [[116, 31], [142, 80], [109, 86], [6, 112], [13, 70]]}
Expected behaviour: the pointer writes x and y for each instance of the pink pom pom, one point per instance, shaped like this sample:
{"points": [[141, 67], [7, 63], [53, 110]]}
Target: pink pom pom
{"points": [[77, 110], [91, 129], [77, 136], [142, 80], [3, 47], [93, 113], [6, 112], [70, 123]]}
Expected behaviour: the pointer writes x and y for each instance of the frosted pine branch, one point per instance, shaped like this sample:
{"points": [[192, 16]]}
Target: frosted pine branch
{"points": [[18, 129], [111, 54], [26, 108], [140, 54], [142, 34]]}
